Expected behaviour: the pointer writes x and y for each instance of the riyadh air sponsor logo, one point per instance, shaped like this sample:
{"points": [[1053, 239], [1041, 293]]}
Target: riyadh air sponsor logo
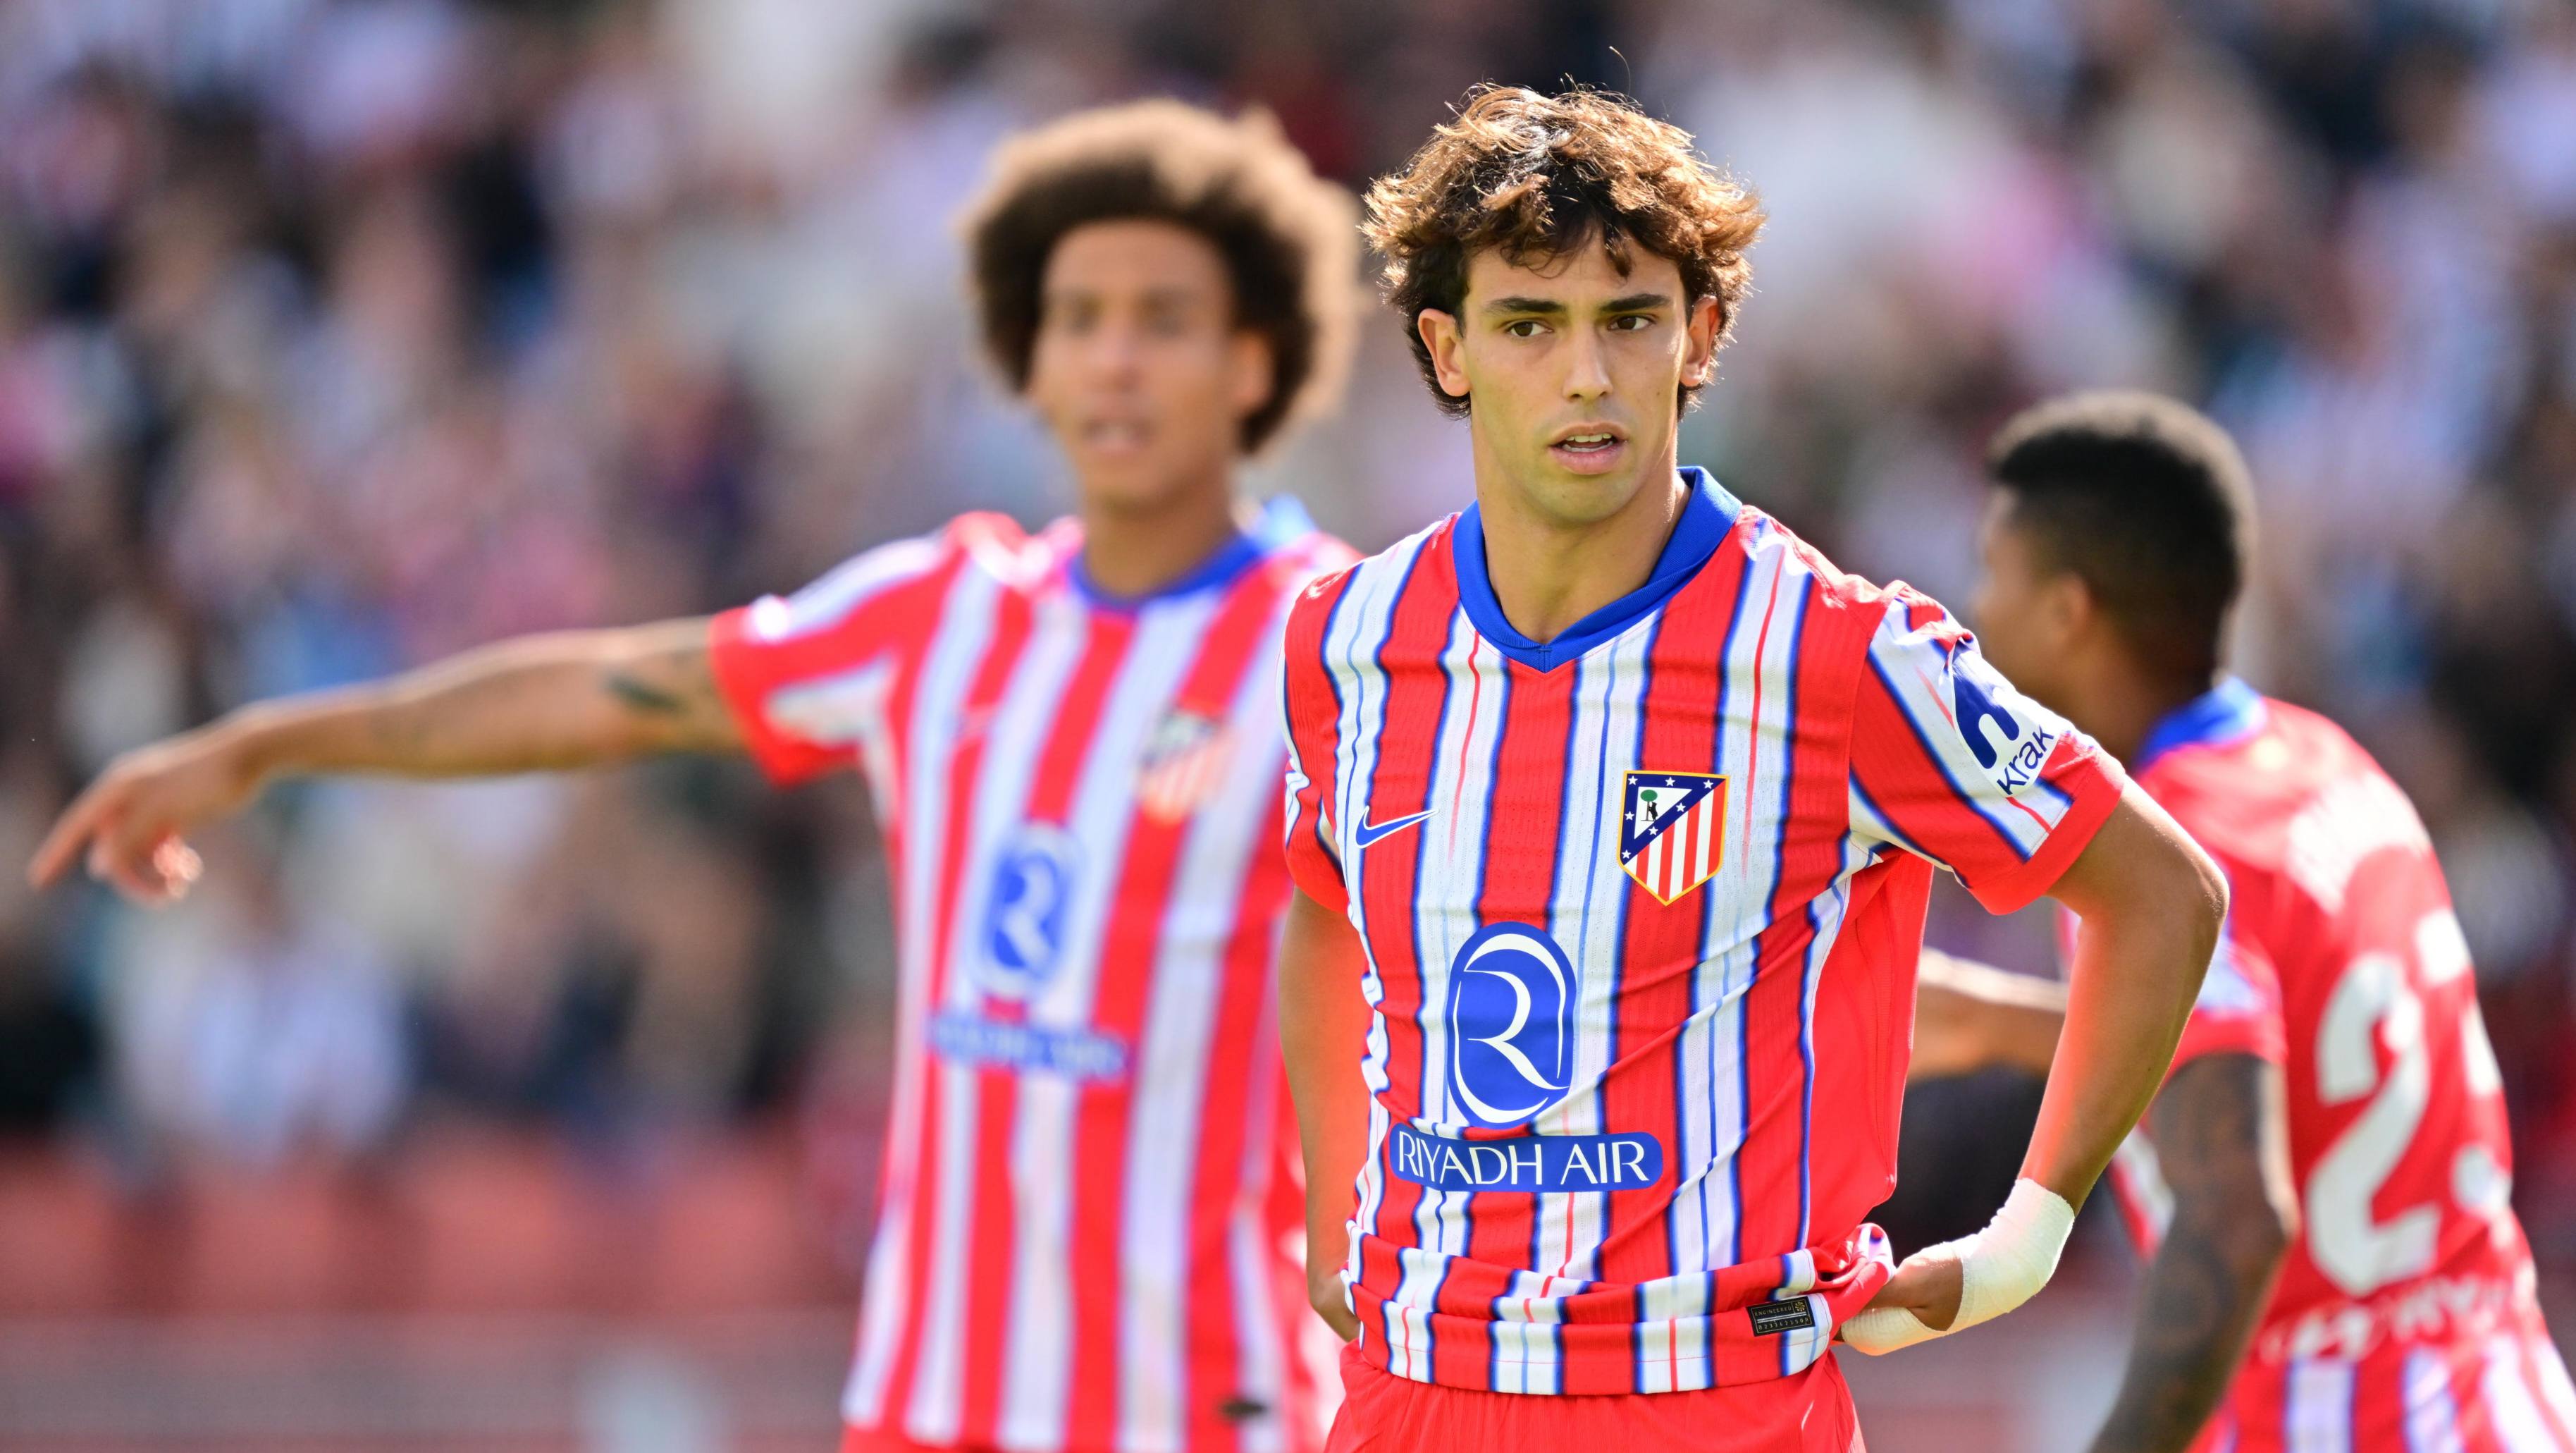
{"points": [[1511, 1025], [1024, 918], [1630, 1162], [1074, 1054], [2011, 750], [1672, 830]]}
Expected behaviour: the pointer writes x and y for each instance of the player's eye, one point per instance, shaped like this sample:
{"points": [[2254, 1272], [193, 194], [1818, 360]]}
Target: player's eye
{"points": [[1524, 327], [1631, 323]]}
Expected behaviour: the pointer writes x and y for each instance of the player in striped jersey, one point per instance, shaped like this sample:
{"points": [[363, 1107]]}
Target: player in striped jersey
{"points": [[2333, 1116], [1087, 1234], [1613, 811]]}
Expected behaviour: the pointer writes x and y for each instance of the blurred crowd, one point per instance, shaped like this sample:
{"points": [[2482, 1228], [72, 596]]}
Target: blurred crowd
{"points": [[335, 337]]}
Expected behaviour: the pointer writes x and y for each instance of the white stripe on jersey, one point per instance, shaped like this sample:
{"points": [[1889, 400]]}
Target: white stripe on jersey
{"points": [[833, 595], [948, 673], [1359, 626], [1452, 849], [1708, 1055], [1154, 1224], [2432, 1417], [2140, 1173], [1801, 1347], [1016, 739], [848, 708], [1825, 916], [1476, 692], [2519, 1424], [1251, 1259], [2555, 1390], [2317, 1412], [1588, 920]]}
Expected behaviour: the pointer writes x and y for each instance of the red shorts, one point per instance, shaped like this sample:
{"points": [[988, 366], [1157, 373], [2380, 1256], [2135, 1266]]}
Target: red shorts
{"points": [[1808, 1413]]}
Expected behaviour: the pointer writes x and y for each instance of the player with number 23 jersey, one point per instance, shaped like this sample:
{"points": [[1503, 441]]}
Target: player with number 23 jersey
{"points": [[2404, 1319]]}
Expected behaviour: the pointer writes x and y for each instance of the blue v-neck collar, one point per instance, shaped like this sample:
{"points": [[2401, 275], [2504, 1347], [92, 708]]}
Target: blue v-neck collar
{"points": [[2227, 712], [1707, 515], [1282, 521]]}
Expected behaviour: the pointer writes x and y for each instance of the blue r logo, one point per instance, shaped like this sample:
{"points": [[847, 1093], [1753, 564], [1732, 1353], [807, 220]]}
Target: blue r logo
{"points": [[1511, 1024], [1024, 921]]}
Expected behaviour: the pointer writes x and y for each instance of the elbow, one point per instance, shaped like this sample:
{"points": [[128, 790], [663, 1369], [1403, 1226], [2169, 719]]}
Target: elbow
{"points": [[2269, 1227], [2204, 892], [2249, 1234], [2255, 1245]]}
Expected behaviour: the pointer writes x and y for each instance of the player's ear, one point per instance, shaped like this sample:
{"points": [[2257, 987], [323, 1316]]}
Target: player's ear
{"points": [[1699, 342], [1253, 370], [1440, 334], [2067, 604]]}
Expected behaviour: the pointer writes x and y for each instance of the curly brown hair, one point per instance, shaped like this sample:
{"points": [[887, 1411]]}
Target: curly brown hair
{"points": [[1287, 236], [1537, 176]]}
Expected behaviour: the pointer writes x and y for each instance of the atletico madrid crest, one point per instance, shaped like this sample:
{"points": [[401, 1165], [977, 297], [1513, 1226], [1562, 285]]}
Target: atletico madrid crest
{"points": [[1184, 760], [1672, 830]]}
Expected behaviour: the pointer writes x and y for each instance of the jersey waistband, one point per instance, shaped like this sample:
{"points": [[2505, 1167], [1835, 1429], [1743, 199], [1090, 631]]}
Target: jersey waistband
{"points": [[1746, 1324]]}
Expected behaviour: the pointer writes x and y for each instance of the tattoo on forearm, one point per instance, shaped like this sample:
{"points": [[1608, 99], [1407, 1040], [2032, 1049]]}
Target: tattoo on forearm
{"points": [[668, 695], [2211, 1276], [679, 685], [643, 695], [2190, 1330]]}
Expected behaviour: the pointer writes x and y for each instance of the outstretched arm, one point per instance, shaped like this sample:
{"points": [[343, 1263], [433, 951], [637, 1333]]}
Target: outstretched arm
{"points": [[2222, 1140], [537, 703], [1970, 1016], [2151, 903], [1323, 1031]]}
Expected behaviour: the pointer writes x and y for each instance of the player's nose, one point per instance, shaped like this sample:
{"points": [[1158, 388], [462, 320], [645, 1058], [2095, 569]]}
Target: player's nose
{"points": [[1587, 374]]}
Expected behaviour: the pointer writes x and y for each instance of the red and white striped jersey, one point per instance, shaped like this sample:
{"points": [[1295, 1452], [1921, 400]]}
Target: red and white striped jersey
{"points": [[1641, 908], [1086, 1241], [2404, 1319]]}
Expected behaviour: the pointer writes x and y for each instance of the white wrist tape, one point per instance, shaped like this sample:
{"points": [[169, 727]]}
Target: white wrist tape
{"points": [[2000, 1268]]}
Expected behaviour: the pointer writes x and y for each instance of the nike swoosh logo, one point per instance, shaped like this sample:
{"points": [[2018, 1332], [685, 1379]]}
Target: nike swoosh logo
{"points": [[1371, 832]]}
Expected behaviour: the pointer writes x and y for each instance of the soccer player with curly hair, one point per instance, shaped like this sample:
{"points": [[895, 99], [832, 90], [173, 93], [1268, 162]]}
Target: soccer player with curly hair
{"points": [[1613, 811], [1072, 740]]}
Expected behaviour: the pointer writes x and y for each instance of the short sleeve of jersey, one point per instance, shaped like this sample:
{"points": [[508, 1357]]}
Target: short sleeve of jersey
{"points": [[1953, 764], [1312, 705], [808, 676]]}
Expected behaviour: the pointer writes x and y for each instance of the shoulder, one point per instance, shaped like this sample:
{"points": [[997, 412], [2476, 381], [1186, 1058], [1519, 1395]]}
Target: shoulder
{"points": [[1362, 585], [1295, 569], [852, 589], [895, 591], [994, 546], [2299, 798], [1838, 598]]}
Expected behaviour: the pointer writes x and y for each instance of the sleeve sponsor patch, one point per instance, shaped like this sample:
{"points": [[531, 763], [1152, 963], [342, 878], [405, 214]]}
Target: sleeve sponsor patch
{"points": [[2008, 734]]}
